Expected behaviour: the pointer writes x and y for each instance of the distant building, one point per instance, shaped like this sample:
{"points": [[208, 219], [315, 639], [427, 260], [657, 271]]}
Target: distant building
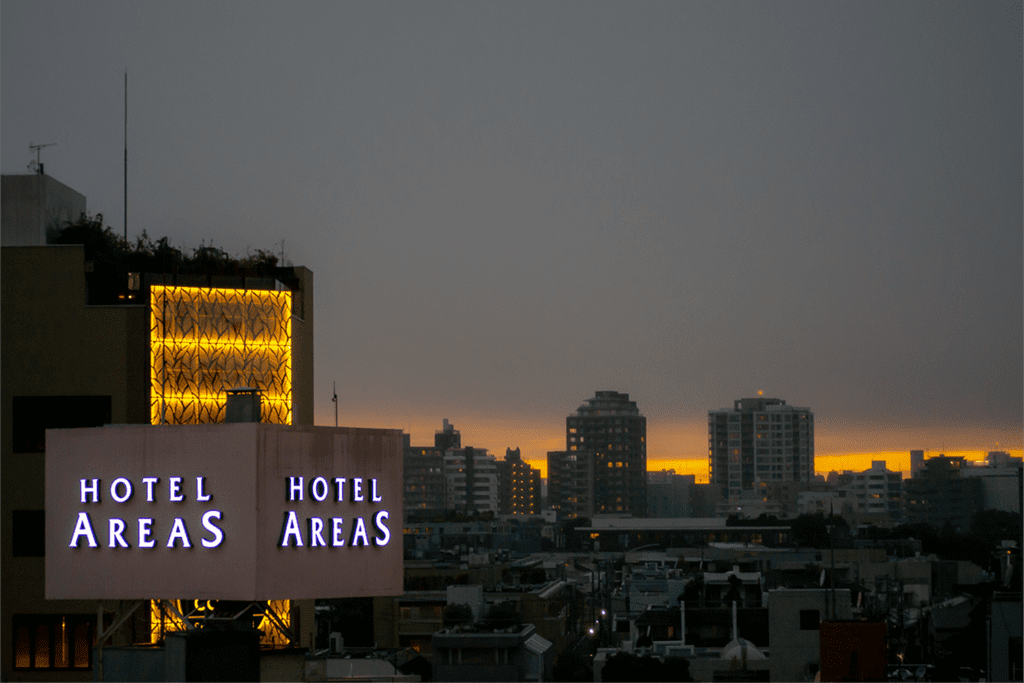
{"points": [[447, 437], [757, 442], [1001, 481], [668, 494], [518, 485], [939, 494], [875, 495], [519, 655], [824, 503], [471, 480], [570, 482], [423, 477], [916, 462], [609, 434]]}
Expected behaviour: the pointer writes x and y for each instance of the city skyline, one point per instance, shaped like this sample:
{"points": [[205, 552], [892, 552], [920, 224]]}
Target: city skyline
{"points": [[509, 207], [535, 443]]}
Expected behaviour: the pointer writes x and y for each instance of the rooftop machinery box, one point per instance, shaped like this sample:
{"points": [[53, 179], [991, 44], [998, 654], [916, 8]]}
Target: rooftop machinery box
{"points": [[243, 511]]}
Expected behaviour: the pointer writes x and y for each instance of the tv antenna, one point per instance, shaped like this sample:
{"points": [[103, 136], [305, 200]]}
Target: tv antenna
{"points": [[37, 165]]}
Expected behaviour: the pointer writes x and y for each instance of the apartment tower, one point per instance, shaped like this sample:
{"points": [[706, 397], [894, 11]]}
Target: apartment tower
{"points": [[607, 435], [757, 442]]}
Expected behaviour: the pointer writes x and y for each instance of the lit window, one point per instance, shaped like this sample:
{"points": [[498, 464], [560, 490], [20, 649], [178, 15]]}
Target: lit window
{"points": [[53, 641]]}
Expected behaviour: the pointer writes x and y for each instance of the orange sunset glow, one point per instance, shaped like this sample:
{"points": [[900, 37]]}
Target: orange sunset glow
{"points": [[682, 446]]}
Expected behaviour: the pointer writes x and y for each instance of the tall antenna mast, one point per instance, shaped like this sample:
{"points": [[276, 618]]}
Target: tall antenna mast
{"points": [[126, 156], [335, 399]]}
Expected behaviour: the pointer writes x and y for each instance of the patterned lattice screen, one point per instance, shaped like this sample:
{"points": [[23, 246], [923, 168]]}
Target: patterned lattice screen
{"points": [[204, 341], [163, 620]]}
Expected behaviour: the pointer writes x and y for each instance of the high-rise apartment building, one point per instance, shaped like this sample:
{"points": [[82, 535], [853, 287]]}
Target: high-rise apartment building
{"points": [[471, 480], [756, 442], [606, 448], [423, 477], [518, 485], [570, 475]]}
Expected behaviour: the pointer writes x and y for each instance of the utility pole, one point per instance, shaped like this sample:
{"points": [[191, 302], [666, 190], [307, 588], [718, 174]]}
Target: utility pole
{"points": [[832, 546]]}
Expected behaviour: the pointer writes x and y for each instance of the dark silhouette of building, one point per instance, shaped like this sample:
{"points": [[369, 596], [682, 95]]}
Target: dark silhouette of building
{"points": [[447, 437], [608, 435], [423, 477], [668, 494], [939, 495], [757, 442], [518, 485]]}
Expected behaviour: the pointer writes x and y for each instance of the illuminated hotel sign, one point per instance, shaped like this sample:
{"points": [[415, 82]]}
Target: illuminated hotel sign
{"points": [[232, 511]]}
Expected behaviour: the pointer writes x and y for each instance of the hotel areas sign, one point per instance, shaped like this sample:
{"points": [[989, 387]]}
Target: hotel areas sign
{"points": [[223, 511]]}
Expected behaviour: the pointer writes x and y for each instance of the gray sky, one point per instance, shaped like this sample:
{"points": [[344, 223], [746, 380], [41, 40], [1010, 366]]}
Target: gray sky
{"points": [[509, 206]]}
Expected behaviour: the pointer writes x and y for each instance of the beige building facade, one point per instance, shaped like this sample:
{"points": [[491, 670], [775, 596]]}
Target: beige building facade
{"points": [[68, 364]]}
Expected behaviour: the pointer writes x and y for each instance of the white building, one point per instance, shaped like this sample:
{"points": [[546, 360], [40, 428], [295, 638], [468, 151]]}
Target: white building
{"points": [[471, 480], [757, 442], [875, 495]]}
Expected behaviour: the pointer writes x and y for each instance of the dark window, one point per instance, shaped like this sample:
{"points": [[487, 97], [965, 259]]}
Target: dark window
{"points": [[809, 619], [33, 415], [28, 534], [53, 641]]}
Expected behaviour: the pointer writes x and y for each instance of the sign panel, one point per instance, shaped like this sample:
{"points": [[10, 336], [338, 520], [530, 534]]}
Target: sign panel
{"points": [[223, 511]]}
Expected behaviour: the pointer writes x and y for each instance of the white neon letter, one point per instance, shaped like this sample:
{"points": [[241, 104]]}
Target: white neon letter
{"points": [[93, 488], [316, 532], [200, 496], [337, 540], [176, 495], [83, 527], [381, 540], [357, 489], [359, 532], [115, 538], [179, 530], [339, 485], [127, 489], [291, 528], [218, 535], [294, 487], [319, 489], [150, 482], [373, 491], [144, 531]]}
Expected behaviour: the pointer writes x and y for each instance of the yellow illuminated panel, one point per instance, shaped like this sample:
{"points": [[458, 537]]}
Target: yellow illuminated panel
{"points": [[204, 341], [163, 620]]}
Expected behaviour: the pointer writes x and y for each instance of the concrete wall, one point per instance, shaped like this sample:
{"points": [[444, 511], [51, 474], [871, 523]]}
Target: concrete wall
{"points": [[795, 651], [302, 352], [34, 207], [1006, 624], [54, 345]]}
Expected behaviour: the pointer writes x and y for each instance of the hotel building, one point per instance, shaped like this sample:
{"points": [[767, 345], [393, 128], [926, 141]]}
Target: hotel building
{"points": [[88, 343]]}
